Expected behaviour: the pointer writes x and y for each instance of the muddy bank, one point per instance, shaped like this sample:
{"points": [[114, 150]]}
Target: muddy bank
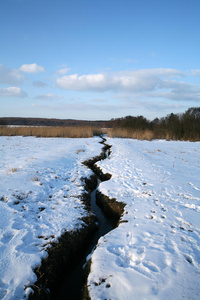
{"points": [[64, 254], [91, 163], [61, 259], [110, 206]]}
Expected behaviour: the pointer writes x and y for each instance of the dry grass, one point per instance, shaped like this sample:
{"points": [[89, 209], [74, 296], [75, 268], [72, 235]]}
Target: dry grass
{"points": [[87, 131], [70, 132], [125, 133], [145, 134]]}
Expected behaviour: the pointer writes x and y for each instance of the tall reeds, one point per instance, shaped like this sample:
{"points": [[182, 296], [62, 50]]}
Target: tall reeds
{"points": [[43, 131], [132, 134], [148, 134], [88, 131]]}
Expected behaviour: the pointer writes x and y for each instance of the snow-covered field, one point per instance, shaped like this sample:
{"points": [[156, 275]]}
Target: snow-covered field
{"points": [[40, 189], [155, 251]]}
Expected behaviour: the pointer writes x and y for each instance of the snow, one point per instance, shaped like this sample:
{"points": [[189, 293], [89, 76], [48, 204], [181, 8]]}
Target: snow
{"points": [[39, 198], [154, 253]]}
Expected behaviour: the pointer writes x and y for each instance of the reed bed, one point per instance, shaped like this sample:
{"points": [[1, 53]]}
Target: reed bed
{"points": [[48, 131], [148, 135], [132, 134], [89, 131]]}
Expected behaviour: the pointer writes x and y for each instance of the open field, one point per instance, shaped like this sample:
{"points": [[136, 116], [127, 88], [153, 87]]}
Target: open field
{"points": [[40, 199], [153, 254]]}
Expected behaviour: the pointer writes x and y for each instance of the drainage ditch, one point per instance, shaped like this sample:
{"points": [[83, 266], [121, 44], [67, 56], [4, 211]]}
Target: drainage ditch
{"points": [[72, 286], [71, 251]]}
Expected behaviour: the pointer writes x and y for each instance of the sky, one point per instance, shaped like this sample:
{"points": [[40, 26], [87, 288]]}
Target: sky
{"points": [[99, 59]]}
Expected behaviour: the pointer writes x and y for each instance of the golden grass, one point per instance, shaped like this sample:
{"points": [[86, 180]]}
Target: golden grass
{"points": [[48, 131], [88, 131], [145, 134], [126, 133]]}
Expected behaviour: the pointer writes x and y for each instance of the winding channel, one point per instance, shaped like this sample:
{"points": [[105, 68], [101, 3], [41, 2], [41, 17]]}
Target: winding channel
{"points": [[61, 276], [72, 286]]}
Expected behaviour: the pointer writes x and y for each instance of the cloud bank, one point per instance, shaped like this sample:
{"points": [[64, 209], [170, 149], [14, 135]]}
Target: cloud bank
{"points": [[141, 80], [145, 82]]}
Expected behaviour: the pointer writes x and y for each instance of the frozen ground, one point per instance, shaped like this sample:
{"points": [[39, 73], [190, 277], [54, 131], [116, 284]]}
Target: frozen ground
{"points": [[155, 251], [40, 189]]}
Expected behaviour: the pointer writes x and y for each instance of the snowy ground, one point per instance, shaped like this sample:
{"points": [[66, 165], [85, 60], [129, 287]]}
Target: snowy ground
{"points": [[40, 189], [155, 252]]}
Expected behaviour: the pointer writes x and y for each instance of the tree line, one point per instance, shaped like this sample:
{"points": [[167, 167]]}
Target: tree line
{"points": [[17, 121], [184, 126]]}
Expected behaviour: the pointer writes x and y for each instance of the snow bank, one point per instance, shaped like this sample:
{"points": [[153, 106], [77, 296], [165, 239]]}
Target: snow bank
{"points": [[155, 253], [40, 196]]}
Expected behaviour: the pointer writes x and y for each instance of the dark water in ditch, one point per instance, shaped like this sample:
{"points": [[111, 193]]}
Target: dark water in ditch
{"points": [[71, 287]]}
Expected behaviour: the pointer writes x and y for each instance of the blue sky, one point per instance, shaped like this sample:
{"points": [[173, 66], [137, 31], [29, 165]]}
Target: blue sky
{"points": [[92, 60]]}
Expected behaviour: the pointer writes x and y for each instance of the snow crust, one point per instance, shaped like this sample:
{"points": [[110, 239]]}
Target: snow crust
{"points": [[155, 251], [40, 190]]}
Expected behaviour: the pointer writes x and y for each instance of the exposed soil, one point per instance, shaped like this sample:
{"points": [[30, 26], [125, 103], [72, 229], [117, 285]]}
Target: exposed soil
{"points": [[61, 259], [110, 206], [64, 255]]}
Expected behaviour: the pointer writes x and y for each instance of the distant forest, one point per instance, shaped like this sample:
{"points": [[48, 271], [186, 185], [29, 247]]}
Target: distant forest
{"points": [[174, 126]]}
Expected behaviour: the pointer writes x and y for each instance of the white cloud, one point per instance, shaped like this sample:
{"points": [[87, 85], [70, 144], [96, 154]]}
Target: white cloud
{"points": [[12, 92], [48, 96], [86, 82], [63, 71], [9, 76], [31, 68]]}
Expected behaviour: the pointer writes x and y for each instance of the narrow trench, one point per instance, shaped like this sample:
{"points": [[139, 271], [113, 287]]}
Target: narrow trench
{"points": [[72, 286], [61, 275]]}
